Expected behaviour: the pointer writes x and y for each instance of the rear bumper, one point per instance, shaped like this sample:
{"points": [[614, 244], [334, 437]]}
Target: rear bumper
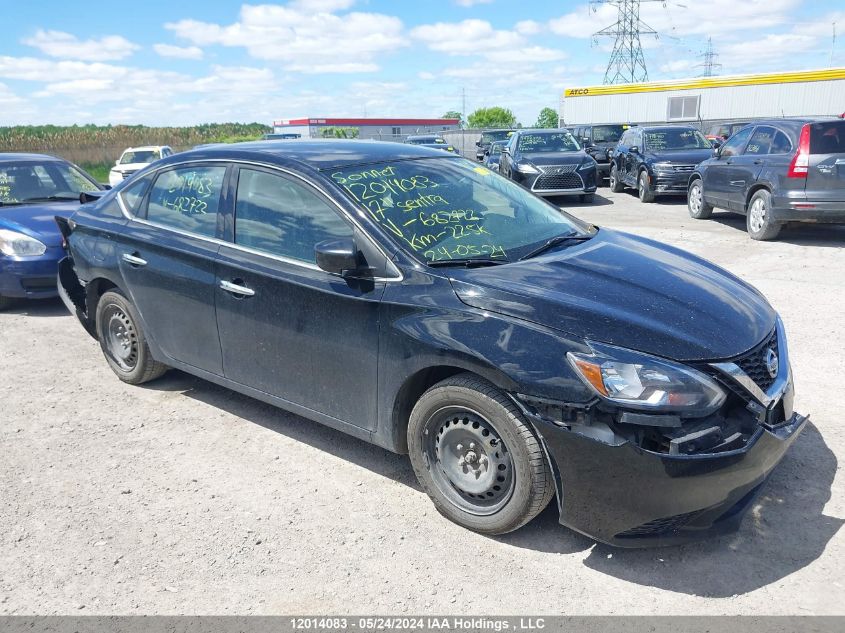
{"points": [[629, 497], [807, 210], [30, 277]]}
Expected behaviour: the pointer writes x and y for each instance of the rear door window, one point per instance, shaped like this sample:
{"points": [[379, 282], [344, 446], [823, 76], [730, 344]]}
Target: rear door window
{"points": [[761, 140], [827, 137], [187, 198]]}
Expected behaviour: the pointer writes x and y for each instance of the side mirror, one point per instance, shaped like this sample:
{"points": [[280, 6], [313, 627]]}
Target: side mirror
{"points": [[478, 143], [337, 256], [117, 162], [717, 143], [717, 151], [634, 149], [505, 150], [586, 141], [486, 152]]}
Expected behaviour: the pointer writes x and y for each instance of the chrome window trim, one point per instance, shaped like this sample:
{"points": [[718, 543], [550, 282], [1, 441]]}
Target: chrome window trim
{"points": [[779, 386], [398, 276]]}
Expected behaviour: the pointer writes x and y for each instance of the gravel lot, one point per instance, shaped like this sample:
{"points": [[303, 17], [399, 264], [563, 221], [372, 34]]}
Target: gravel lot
{"points": [[183, 497]]}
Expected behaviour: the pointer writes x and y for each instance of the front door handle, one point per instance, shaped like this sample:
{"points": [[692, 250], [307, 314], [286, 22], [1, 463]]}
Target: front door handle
{"points": [[236, 289], [134, 260], [759, 161]]}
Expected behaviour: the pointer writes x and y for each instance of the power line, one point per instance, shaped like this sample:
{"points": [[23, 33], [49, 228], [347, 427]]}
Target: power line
{"points": [[627, 62], [709, 64]]}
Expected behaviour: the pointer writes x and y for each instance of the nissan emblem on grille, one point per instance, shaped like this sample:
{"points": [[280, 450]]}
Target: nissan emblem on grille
{"points": [[772, 362]]}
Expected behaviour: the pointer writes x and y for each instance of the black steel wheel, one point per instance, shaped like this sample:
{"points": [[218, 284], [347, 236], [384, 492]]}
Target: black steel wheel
{"points": [[123, 342], [476, 456]]}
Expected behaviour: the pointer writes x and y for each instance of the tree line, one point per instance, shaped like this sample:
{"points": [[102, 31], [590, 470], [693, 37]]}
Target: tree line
{"points": [[498, 117]]}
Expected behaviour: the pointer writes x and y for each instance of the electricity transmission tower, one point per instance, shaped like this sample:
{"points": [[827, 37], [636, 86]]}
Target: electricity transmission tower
{"points": [[709, 64], [627, 63]]}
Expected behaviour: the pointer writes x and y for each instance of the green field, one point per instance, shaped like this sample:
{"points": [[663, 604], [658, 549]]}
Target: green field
{"points": [[96, 147]]}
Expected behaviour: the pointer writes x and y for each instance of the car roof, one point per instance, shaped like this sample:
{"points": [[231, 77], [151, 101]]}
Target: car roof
{"points": [[424, 135], [660, 128], [315, 153], [144, 148], [22, 156]]}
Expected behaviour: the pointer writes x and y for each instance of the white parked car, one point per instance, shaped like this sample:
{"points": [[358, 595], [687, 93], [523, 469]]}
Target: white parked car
{"points": [[134, 159]]}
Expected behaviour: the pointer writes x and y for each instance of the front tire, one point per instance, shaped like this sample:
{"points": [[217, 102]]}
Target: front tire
{"points": [[758, 220], [123, 342], [616, 185], [476, 456], [697, 207], [644, 189]]}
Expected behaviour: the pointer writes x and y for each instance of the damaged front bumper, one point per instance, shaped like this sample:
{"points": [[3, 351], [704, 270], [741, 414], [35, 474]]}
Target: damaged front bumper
{"points": [[634, 480], [627, 496]]}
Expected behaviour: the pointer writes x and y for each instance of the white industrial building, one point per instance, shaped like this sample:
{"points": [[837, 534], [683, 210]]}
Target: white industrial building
{"points": [[708, 99]]}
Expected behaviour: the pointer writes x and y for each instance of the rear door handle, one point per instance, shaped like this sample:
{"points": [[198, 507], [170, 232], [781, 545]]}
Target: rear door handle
{"points": [[758, 161], [134, 260], [236, 289]]}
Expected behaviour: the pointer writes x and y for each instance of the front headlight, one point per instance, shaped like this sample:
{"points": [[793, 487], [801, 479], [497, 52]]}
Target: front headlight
{"points": [[587, 165], [526, 168], [663, 167], [14, 244], [639, 381]]}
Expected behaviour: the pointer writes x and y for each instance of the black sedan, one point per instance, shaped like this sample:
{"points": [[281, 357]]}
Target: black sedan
{"points": [[549, 163], [421, 302], [657, 160]]}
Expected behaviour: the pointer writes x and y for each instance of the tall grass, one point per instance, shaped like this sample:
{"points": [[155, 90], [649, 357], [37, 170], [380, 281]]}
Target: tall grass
{"points": [[96, 147]]}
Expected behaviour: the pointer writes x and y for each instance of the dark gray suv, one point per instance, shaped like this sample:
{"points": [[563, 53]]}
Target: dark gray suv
{"points": [[774, 172]]}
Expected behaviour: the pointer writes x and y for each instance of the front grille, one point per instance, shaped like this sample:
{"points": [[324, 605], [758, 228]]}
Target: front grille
{"points": [[558, 181], [126, 174], [659, 526], [754, 362], [683, 168]]}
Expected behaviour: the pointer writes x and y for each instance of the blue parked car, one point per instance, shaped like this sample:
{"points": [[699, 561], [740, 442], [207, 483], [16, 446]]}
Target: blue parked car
{"points": [[33, 190]]}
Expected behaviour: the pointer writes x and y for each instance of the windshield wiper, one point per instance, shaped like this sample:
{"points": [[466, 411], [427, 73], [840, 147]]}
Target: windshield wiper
{"points": [[47, 198], [468, 262], [556, 241]]}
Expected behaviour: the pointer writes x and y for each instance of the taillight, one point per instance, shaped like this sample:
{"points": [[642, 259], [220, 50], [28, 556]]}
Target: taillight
{"points": [[801, 161]]}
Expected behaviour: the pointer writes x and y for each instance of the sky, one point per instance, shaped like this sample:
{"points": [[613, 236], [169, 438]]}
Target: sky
{"points": [[183, 62]]}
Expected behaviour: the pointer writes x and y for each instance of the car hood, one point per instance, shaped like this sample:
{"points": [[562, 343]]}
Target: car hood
{"points": [[627, 291], [130, 167], [38, 220], [554, 158], [681, 156]]}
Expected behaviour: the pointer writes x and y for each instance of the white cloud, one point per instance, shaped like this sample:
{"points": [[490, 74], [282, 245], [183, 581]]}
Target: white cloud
{"points": [[426, 76], [464, 38], [35, 69], [178, 52], [67, 46], [304, 40], [528, 27], [472, 3], [680, 20]]}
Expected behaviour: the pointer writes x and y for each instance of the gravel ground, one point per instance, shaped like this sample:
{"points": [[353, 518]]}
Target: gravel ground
{"points": [[183, 497]]}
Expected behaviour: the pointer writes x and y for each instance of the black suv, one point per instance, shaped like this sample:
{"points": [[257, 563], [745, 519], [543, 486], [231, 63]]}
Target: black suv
{"points": [[599, 141], [657, 160], [487, 137], [773, 172], [549, 162]]}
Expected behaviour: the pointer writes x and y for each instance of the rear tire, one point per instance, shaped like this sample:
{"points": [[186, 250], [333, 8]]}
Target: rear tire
{"points": [[616, 186], [758, 220], [697, 207], [476, 456], [587, 197], [123, 342], [644, 189]]}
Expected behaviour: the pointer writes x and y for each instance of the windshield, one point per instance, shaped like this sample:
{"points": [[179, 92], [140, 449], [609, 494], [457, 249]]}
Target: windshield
{"points": [[139, 156], [449, 208], [608, 133], [30, 181], [500, 135], [548, 142], [670, 139]]}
